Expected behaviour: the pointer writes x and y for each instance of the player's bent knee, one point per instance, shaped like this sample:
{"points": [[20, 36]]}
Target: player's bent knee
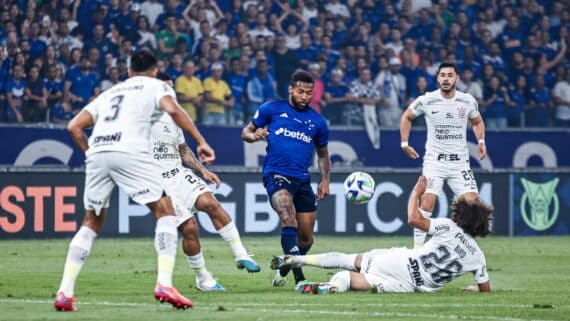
{"points": [[189, 229]]}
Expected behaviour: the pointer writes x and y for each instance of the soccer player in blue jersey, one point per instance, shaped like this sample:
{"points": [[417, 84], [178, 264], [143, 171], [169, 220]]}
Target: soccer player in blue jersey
{"points": [[292, 130]]}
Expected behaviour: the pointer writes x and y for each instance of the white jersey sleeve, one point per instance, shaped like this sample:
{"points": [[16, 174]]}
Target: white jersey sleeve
{"points": [[417, 107], [124, 115], [480, 275], [473, 107]]}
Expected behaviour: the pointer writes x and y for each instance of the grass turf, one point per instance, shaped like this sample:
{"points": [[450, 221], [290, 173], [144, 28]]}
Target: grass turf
{"points": [[529, 276]]}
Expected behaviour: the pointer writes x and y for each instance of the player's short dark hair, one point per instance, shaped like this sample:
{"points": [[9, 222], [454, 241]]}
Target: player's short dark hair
{"points": [[473, 216], [163, 76], [301, 76], [447, 65], [142, 60]]}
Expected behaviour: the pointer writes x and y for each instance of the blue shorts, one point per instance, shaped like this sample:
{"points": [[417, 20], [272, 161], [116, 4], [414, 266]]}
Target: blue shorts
{"points": [[303, 196]]}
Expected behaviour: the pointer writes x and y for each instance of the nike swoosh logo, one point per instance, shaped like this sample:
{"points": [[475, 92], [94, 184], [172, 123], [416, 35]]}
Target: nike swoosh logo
{"points": [[434, 112]]}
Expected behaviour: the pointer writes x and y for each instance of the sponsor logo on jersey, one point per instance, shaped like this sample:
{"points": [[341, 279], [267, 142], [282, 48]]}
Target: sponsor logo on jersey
{"points": [[446, 134], [448, 157], [284, 115], [293, 134], [414, 268], [539, 197], [417, 105], [139, 193], [461, 237], [462, 112], [162, 152], [94, 202], [433, 101], [449, 116], [103, 139], [460, 251], [442, 227]]}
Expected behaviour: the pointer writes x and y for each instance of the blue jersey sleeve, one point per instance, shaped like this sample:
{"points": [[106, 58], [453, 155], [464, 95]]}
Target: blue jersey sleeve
{"points": [[262, 116], [322, 137]]}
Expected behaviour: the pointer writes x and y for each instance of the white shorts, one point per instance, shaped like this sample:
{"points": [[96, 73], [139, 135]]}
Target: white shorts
{"points": [[460, 179], [135, 174], [184, 187], [387, 270]]}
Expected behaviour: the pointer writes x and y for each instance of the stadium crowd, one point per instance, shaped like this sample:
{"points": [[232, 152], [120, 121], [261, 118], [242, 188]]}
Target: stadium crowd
{"points": [[227, 57]]}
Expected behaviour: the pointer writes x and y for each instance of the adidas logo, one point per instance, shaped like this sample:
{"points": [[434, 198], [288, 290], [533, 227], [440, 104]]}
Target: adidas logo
{"points": [[295, 249], [284, 115]]}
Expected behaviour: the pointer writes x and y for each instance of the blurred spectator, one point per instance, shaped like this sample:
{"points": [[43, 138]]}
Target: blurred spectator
{"points": [[81, 85], [260, 27], [337, 9], [363, 92], [496, 102], [392, 86], [317, 101], [336, 97], [286, 62], [237, 80], [15, 86], [111, 80], [261, 88], [306, 53], [146, 36], [175, 68], [189, 90], [561, 96], [292, 33], [151, 9], [218, 97], [166, 38], [100, 42], [467, 85], [519, 96], [538, 115], [35, 105]]}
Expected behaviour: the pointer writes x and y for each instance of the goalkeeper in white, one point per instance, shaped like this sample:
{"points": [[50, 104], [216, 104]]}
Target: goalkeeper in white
{"points": [[451, 252]]}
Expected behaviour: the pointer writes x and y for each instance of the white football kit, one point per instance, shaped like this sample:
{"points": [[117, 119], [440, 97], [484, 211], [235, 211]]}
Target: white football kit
{"points": [[119, 146], [447, 153], [449, 254], [180, 183]]}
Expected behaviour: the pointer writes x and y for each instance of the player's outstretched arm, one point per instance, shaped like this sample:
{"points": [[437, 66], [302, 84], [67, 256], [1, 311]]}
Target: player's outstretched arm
{"points": [[325, 169], [181, 118], [76, 128], [251, 134], [415, 218], [479, 131], [189, 159], [405, 127]]}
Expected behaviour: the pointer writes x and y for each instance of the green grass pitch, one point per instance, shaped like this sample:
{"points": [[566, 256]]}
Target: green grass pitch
{"points": [[530, 279]]}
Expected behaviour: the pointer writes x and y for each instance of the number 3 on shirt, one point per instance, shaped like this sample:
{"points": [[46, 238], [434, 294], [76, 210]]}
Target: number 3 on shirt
{"points": [[116, 107]]}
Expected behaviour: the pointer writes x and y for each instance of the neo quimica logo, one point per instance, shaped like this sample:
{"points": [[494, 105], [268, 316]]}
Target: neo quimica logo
{"points": [[538, 198]]}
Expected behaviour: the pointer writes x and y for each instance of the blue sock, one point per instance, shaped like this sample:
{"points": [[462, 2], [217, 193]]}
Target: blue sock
{"points": [[304, 250], [289, 240]]}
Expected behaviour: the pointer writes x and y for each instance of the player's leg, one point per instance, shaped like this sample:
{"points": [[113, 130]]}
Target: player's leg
{"points": [[304, 201], [137, 175], [193, 251], [79, 249], [427, 202], [207, 203], [331, 260], [98, 188]]}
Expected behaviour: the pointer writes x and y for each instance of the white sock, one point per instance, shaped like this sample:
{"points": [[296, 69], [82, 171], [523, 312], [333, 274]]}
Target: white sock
{"points": [[331, 260], [419, 235], [78, 251], [230, 234], [165, 239], [198, 264], [341, 280]]}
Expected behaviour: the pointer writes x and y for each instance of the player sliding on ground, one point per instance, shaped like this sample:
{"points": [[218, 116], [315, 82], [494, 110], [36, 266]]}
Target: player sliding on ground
{"points": [[450, 253], [189, 194]]}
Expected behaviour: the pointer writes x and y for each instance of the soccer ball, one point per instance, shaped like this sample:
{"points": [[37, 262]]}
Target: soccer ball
{"points": [[359, 187]]}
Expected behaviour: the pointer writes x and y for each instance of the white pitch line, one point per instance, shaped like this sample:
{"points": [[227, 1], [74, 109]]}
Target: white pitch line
{"points": [[242, 308]]}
